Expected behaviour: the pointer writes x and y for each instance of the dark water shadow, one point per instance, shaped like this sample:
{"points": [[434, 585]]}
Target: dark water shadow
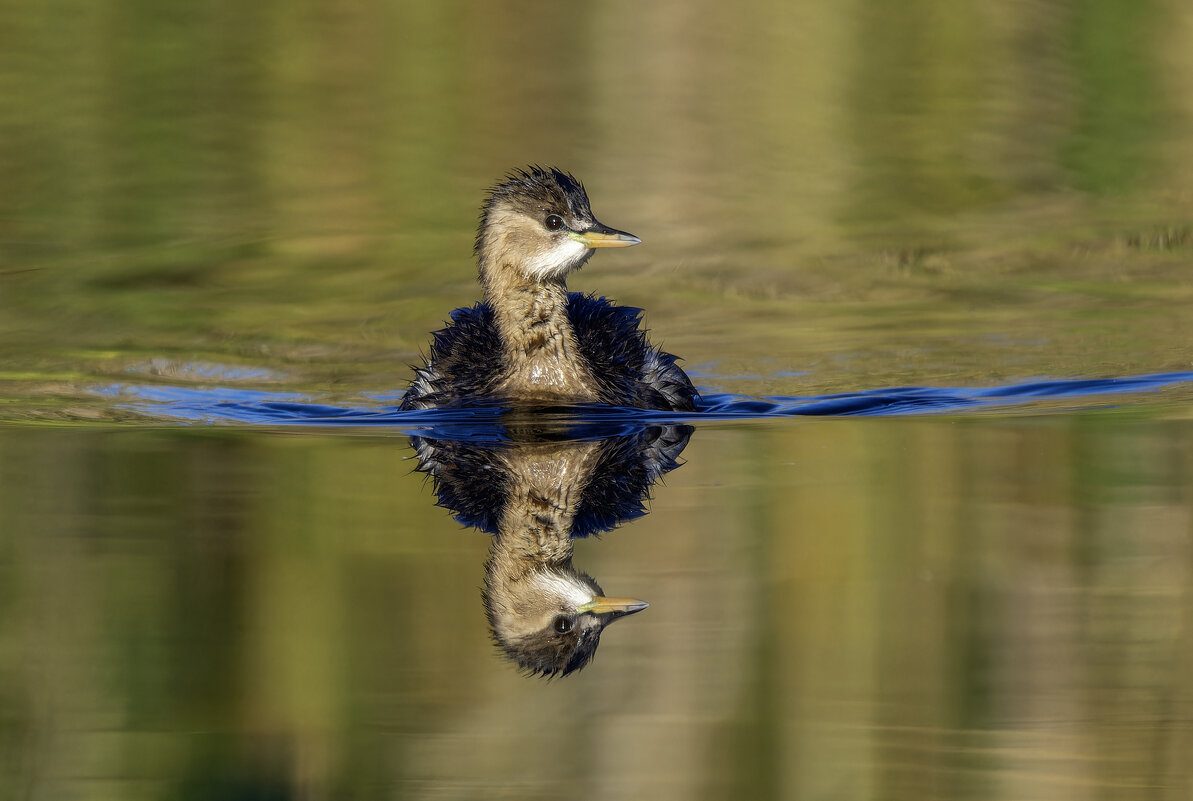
{"points": [[232, 405]]}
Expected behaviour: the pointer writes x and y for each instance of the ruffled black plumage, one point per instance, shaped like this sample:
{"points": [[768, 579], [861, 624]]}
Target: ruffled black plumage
{"points": [[467, 359], [470, 482]]}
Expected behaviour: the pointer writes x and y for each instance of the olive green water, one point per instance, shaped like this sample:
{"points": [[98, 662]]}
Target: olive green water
{"points": [[281, 197]]}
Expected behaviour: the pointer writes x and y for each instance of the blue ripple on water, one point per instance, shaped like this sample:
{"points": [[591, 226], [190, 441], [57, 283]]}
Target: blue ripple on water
{"points": [[225, 404]]}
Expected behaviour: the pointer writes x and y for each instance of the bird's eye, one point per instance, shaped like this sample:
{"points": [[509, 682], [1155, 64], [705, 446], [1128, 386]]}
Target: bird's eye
{"points": [[563, 623], [554, 222]]}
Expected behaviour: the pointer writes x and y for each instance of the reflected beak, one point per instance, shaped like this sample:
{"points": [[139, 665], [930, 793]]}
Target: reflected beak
{"points": [[613, 608], [602, 236]]}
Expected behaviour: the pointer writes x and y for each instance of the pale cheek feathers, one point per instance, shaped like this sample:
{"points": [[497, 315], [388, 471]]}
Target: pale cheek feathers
{"points": [[514, 238], [566, 255], [552, 593], [562, 586]]}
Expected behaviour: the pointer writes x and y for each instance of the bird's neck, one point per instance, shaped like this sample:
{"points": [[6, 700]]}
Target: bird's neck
{"points": [[541, 355], [546, 484]]}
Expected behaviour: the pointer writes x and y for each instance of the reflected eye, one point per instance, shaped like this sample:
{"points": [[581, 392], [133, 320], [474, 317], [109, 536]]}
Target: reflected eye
{"points": [[563, 623], [554, 222]]}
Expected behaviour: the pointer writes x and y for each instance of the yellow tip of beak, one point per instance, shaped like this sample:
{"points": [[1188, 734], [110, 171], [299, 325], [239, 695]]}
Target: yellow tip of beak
{"points": [[620, 606], [609, 239]]}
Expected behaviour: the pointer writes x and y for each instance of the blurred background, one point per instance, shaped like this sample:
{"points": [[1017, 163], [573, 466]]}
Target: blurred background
{"points": [[935, 192], [280, 197]]}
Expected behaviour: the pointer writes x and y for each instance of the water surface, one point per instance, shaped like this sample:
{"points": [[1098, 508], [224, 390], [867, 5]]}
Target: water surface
{"points": [[879, 607], [929, 264]]}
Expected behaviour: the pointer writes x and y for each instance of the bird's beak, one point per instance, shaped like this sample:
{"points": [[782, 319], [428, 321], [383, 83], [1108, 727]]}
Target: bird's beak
{"points": [[613, 608], [602, 236]]}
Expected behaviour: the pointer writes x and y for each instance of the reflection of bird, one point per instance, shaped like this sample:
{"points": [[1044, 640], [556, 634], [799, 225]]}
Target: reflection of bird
{"points": [[545, 614], [550, 620], [530, 340], [535, 494]]}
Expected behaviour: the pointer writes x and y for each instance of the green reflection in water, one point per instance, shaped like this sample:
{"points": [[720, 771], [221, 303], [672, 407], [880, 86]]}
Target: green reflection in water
{"points": [[878, 608], [943, 193], [1119, 106]]}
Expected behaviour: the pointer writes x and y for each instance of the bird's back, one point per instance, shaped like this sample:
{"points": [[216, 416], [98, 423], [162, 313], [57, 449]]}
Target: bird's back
{"points": [[628, 369], [465, 361]]}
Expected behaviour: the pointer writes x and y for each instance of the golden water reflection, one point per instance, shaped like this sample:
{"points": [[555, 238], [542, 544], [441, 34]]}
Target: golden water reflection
{"points": [[872, 608]]}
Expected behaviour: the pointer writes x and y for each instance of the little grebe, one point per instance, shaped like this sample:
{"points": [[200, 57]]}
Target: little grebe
{"points": [[529, 340]]}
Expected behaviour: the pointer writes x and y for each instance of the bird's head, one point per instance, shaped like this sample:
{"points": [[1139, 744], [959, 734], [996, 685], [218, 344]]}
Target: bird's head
{"points": [[538, 223], [550, 621]]}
